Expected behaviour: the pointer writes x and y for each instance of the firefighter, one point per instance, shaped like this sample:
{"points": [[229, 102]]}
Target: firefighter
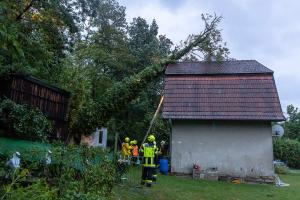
{"points": [[130, 150], [135, 152], [149, 151], [131, 146], [126, 149]]}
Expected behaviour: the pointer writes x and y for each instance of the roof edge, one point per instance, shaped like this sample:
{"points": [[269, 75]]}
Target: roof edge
{"points": [[41, 83], [199, 119], [168, 72], [223, 74]]}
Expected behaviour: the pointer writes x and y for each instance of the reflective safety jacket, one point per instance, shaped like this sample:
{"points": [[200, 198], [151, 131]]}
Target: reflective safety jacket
{"points": [[126, 149], [149, 151], [135, 150]]}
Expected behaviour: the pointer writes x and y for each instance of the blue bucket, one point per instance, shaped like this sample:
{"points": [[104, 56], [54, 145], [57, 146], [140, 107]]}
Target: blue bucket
{"points": [[164, 167]]}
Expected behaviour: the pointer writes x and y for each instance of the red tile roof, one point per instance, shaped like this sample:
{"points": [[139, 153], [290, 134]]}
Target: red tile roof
{"points": [[222, 97]]}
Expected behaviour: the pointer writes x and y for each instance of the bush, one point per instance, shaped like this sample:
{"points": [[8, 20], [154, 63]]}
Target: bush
{"points": [[83, 172], [76, 172], [288, 151], [292, 125], [23, 121], [37, 190]]}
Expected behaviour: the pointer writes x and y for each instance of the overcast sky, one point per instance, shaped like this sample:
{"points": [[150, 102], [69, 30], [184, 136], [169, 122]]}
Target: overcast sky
{"points": [[267, 31]]}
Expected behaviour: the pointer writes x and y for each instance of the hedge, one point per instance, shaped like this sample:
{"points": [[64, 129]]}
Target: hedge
{"points": [[288, 151]]}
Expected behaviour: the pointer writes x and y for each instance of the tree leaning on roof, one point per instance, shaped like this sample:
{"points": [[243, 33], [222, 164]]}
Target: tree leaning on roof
{"points": [[120, 94]]}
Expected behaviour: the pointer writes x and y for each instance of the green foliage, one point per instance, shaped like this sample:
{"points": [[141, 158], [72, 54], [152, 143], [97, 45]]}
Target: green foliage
{"points": [[24, 122], [106, 57], [87, 47], [104, 49], [148, 48], [34, 35], [288, 150], [114, 71], [82, 172], [135, 121], [115, 99], [118, 97], [211, 48], [145, 44], [101, 58], [17, 176], [15, 191], [38, 190], [10, 47], [292, 125], [76, 172], [76, 80]]}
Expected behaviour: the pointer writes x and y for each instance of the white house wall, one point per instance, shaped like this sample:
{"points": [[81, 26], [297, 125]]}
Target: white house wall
{"points": [[235, 148]]}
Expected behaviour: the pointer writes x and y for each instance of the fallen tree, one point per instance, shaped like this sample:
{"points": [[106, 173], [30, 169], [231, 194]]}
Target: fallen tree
{"points": [[116, 98]]}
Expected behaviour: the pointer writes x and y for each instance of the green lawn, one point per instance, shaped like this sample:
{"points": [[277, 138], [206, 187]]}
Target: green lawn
{"points": [[172, 187]]}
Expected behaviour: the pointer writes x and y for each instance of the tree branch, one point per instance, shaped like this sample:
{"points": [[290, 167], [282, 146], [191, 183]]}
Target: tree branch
{"points": [[25, 10], [198, 39]]}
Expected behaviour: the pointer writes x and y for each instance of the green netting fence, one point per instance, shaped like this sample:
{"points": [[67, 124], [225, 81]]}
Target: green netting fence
{"points": [[36, 152]]}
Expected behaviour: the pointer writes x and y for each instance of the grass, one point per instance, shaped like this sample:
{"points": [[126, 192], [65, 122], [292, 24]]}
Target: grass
{"points": [[172, 187]]}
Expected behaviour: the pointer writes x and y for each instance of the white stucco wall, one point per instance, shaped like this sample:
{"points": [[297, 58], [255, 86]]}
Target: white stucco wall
{"points": [[235, 148]]}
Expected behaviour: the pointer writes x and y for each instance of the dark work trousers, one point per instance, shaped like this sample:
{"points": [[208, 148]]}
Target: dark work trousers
{"points": [[154, 176], [147, 175]]}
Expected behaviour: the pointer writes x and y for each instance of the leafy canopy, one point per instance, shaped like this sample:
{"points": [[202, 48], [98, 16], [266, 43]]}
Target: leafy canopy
{"points": [[113, 69], [292, 125]]}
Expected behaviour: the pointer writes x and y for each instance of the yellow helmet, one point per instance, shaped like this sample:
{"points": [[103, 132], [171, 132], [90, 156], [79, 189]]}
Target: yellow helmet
{"points": [[127, 139], [151, 138], [134, 142]]}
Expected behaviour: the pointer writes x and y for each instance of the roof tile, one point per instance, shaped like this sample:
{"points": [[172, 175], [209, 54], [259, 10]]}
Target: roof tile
{"points": [[249, 96]]}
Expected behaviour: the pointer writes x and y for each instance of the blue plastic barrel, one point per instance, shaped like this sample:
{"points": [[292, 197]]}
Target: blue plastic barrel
{"points": [[163, 168]]}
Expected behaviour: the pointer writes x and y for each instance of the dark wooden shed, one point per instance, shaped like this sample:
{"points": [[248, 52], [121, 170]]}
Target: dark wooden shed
{"points": [[51, 100]]}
